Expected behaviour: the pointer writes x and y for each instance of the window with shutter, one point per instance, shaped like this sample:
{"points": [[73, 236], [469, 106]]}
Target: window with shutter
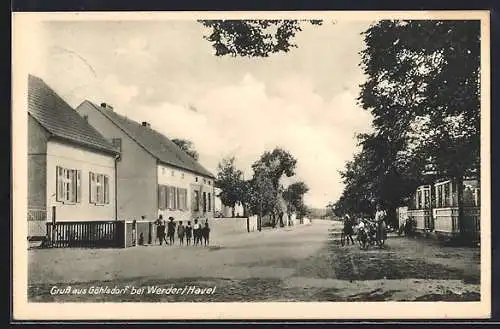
{"points": [[179, 197], [99, 189], [185, 199], [159, 197], [162, 197], [78, 186], [209, 202], [174, 198], [68, 185], [167, 197], [196, 201], [59, 184], [106, 189], [91, 187]]}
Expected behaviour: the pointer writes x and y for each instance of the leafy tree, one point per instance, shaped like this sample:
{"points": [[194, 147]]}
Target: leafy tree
{"points": [[261, 195], [229, 180], [423, 92], [187, 146], [264, 189], [275, 164], [294, 195], [253, 38]]}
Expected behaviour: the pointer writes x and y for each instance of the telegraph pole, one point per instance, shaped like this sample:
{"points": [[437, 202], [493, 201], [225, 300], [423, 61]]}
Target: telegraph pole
{"points": [[259, 224]]}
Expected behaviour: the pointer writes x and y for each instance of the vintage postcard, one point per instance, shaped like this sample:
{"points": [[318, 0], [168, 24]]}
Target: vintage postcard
{"points": [[251, 165]]}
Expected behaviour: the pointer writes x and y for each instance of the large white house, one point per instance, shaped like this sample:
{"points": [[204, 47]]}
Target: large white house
{"points": [[71, 167], [154, 175]]}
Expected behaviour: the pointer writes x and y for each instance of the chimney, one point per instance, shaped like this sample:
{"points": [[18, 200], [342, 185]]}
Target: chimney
{"points": [[146, 124], [107, 106]]}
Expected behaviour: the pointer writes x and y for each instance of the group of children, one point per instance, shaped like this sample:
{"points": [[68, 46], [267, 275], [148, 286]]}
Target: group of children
{"points": [[200, 234]]}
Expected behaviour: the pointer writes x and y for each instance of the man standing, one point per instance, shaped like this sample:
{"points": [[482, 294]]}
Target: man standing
{"points": [[160, 230], [380, 216]]}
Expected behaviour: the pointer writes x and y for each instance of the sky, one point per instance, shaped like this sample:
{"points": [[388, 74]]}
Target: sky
{"points": [[165, 73]]}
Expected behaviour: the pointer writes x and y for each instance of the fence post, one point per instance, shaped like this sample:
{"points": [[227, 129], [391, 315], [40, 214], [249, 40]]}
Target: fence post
{"points": [[53, 235], [150, 233]]}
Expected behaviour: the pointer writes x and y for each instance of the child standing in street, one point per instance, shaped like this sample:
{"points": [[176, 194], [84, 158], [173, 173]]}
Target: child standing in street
{"points": [[171, 230], [197, 232], [189, 233], [180, 233], [205, 232]]}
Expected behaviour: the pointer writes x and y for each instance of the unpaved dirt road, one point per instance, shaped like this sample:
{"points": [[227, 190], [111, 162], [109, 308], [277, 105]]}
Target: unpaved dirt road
{"points": [[303, 263]]}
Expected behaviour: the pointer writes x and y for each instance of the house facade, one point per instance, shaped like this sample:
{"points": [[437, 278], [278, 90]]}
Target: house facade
{"points": [[154, 175], [434, 207], [71, 167]]}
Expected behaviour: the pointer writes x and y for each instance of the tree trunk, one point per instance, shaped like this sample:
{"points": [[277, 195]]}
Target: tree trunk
{"points": [[460, 205], [232, 211], [244, 210]]}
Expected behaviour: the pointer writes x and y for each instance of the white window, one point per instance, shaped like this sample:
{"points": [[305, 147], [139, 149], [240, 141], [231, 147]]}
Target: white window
{"points": [[172, 173], [182, 175], [445, 194], [181, 199], [68, 185], [171, 198], [423, 197], [98, 188]]}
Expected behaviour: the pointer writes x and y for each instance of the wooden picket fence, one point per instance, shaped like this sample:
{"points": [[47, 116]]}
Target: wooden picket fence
{"points": [[88, 234]]}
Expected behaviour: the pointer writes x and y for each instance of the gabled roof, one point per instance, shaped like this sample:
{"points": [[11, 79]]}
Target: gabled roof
{"points": [[60, 119], [155, 143]]}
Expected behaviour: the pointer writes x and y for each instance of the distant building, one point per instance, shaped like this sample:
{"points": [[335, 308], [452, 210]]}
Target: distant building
{"points": [[71, 166], [154, 175]]}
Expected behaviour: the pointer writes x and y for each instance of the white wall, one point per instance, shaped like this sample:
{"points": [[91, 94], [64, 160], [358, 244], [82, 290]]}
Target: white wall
{"points": [[221, 227], [73, 157]]}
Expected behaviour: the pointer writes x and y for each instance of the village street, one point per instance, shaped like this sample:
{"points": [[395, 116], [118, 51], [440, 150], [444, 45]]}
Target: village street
{"points": [[302, 263]]}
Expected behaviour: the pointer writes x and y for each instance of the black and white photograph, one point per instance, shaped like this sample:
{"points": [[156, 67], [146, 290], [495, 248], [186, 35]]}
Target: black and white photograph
{"points": [[288, 162]]}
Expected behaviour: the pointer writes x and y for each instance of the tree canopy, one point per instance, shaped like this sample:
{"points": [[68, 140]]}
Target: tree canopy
{"points": [[253, 38], [422, 90], [262, 192], [294, 195], [230, 181], [187, 146]]}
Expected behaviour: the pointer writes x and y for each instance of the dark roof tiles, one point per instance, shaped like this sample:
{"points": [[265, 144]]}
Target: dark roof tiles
{"points": [[60, 119], [157, 144]]}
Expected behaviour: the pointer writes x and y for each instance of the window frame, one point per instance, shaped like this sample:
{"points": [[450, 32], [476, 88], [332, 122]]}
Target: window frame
{"points": [[196, 200], [99, 189], [68, 185]]}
